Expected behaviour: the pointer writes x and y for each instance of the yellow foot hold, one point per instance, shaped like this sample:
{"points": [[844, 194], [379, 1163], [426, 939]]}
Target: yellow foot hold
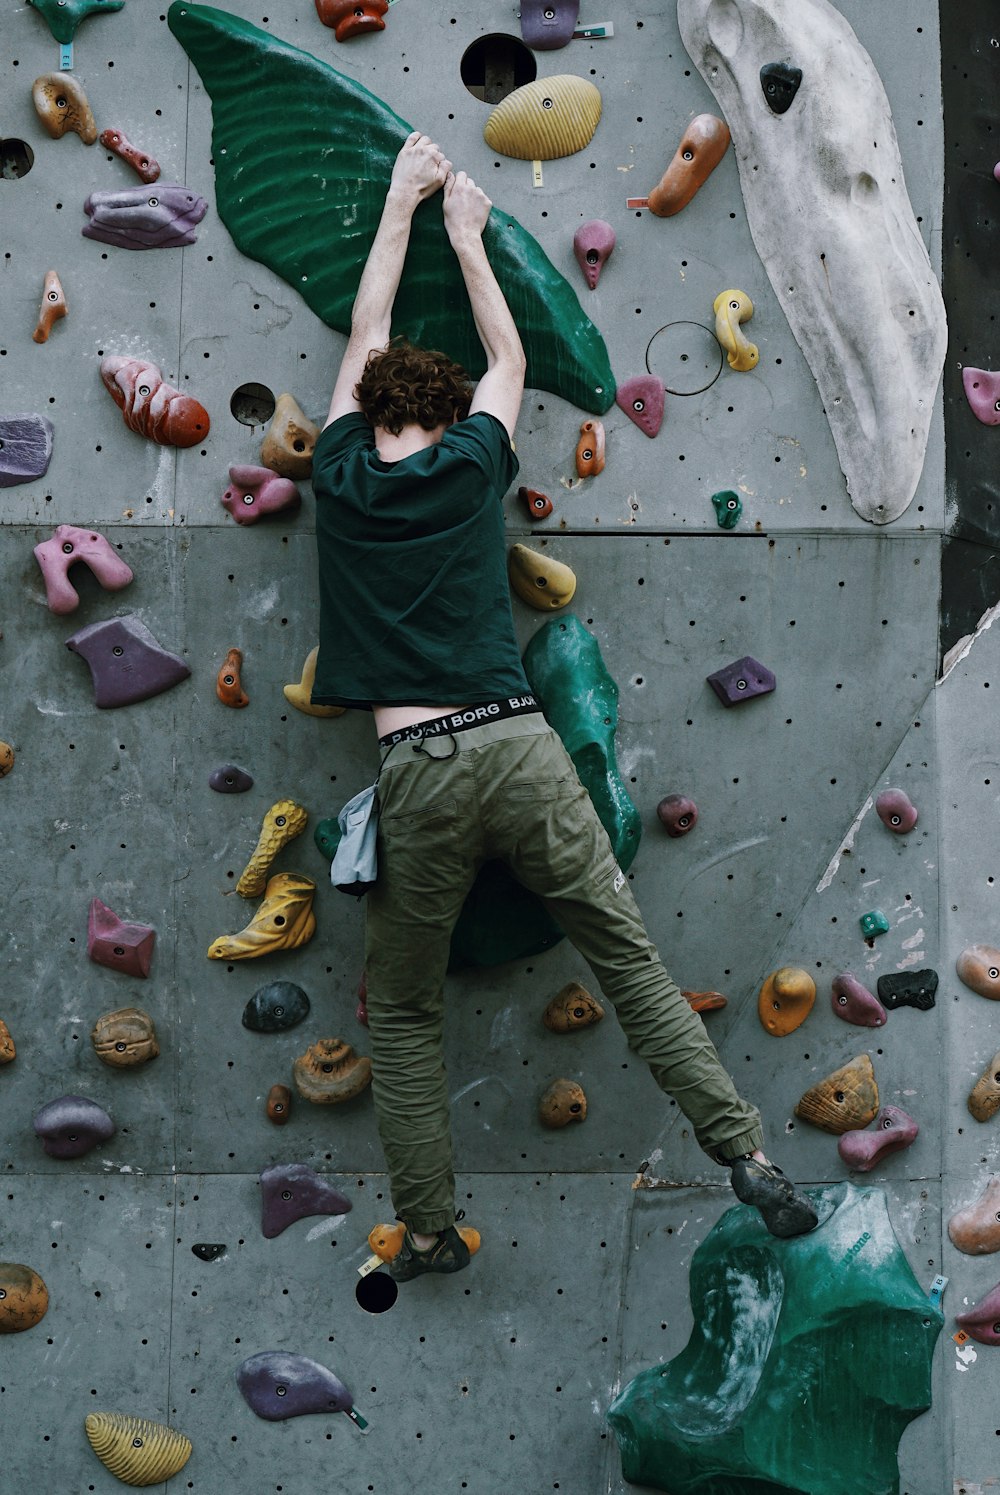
{"points": [[290, 440], [298, 695], [136, 1451], [731, 308], [284, 921], [540, 580], [282, 823]]}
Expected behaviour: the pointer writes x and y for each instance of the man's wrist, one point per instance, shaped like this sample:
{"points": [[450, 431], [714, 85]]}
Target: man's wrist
{"points": [[402, 198]]}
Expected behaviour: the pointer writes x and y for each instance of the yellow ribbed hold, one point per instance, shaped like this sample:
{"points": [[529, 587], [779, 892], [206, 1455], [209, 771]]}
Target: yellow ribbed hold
{"points": [[282, 823], [540, 580], [136, 1451], [545, 119], [298, 695]]}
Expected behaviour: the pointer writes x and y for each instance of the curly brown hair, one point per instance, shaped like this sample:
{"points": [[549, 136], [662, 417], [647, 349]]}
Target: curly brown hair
{"points": [[403, 384]]}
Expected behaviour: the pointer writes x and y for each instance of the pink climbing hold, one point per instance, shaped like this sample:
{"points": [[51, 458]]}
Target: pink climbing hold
{"points": [[67, 546], [895, 811], [982, 390], [982, 1320], [855, 1003], [642, 399], [256, 491], [677, 814], [996, 171], [117, 944], [891, 1131], [592, 245]]}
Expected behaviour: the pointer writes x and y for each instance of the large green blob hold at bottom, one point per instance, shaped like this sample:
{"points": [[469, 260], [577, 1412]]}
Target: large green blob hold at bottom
{"points": [[501, 920], [303, 157], [807, 1360]]}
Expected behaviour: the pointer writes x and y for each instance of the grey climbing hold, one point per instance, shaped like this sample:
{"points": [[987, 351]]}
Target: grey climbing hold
{"points": [[25, 448], [291, 1191], [276, 1385], [71, 1126], [275, 1007]]}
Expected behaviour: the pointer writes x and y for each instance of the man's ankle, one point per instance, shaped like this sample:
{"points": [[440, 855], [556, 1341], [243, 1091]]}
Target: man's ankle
{"points": [[422, 1241]]}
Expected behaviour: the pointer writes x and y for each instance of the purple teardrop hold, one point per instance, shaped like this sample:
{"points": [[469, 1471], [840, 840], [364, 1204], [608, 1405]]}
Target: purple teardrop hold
{"points": [[982, 1320], [291, 1191], [741, 681], [276, 1385], [547, 25], [592, 245], [855, 1003], [891, 1131], [642, 399], [895, 811], [228, 779], [126, 662], [72, 1125]]}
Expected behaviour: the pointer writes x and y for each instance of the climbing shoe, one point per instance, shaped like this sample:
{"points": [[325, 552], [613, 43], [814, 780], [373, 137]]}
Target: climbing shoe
{"points": [[784, 1209], [448, 1254]]}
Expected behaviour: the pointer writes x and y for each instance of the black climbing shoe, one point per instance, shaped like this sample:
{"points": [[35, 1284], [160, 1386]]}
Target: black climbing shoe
{"points": [[448, 1254], [785, 1211]]}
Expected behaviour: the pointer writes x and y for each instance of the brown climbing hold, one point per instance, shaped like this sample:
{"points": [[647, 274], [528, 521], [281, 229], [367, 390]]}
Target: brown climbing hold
{"points": [[52, 308], [563, 1103], [6, 759], [284, 921], [979, 967], [125, 1038], [702, 147], [150, 406], [24, 1298], [145, 166], [8, 1053], [786, 1000], [846, 1101], [704, 1001], [572, 1007], [330, 1072], [590, 449], [290, 440], [228, 686], [976, 1228], [279, 1104], [348, 18], [300, 695], [538, 504], [283, 822], [61, 105], [984, 1098]]}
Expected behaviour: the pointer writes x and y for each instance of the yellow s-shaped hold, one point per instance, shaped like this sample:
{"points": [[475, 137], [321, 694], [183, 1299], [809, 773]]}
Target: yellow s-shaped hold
{"points": [[731, 308], [282, 823]]}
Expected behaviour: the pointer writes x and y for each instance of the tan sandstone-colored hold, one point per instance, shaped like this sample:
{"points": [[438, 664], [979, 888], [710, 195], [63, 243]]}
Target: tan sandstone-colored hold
{"points": [[572, 1007], [984, 1098], [62, 106], [283, 822], [330, 1072], [540, 580], [298, 695], [8, 1053], [24, 1298], [976, 1228], [6, 759], [562, 1103], [137, 1451], [786, 1000], [979, 967], [284, 921], [290, 440], [125, 1038], [845, 1101]]}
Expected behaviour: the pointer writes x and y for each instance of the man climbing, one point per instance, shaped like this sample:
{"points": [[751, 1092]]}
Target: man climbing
{"points": [[416, 625]]}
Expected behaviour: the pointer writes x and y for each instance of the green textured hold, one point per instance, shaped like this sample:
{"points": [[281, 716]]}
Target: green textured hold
{"points": [[728, 508], [327, 837], [303, 157], [807, 1359], [64, 16], [874, 923]]}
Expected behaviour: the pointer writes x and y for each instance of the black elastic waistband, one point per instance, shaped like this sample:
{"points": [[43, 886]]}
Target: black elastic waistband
{"points": [[461, 721]]}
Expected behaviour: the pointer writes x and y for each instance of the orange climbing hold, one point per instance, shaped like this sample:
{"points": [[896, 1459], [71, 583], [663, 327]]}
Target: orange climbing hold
{"points": [[227, 683], [52, 308], [590, 449], [786, 1000], [702, 147]]}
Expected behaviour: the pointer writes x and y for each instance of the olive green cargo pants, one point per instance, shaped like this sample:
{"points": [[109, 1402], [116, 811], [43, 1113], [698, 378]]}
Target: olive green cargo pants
{"points": [[509, 791]]}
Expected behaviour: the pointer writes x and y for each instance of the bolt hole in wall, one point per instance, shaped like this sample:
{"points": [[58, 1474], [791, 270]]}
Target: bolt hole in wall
{"points": [[252, 404], [495, 65], [16, 159]]}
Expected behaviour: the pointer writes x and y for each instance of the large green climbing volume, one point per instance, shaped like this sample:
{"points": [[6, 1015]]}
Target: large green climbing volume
{"points": [[303, 157]]}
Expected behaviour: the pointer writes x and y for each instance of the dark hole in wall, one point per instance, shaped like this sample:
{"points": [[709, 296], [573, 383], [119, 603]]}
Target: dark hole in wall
{"points": [[495, 65]]}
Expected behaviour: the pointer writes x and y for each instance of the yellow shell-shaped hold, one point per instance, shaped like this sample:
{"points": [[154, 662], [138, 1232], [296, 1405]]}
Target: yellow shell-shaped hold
{"points": [[540, 580], [284, 921], [137, 1451], [845, 1101], [298, 695], [545, 119], [282, 823]]}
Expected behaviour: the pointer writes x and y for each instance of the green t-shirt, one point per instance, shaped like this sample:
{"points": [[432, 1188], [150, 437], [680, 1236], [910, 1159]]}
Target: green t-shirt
{"points": [[414, 603]]}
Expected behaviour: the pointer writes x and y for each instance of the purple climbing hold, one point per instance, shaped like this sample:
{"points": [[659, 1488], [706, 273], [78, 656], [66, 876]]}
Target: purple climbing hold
{"points": [[114, 943], [25, 448], [67, 546], [741, 681], [982, 390], [592, 245], [677, 814], [159, 217], [291, 1191], [642, 399], [908, 989], [982, 1320], [228, 779], [256, 491], [895, 811], [855, 1003], [547, 25], [277, 1385], [72, 1125], [126, 662], [891, 1131]]}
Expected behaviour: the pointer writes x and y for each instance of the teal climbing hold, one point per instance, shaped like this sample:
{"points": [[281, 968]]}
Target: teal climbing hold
{"points": [[873, 923], [807, 1359], [728, 508], [303, 157], [64, 16]]}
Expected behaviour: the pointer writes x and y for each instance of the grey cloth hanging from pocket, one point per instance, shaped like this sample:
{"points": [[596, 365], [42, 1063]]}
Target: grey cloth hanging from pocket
{"points": [[354, 868]]}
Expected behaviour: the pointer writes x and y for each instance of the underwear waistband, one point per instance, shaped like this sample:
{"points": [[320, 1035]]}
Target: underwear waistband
{"points": [[461, 721]]}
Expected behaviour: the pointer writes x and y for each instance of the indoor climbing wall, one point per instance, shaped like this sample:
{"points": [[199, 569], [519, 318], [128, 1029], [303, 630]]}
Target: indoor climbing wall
{"points": [[166, 787]]}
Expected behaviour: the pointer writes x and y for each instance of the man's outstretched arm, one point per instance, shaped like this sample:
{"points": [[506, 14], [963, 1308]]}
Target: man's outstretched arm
{"points": [[499, 391], [419, 171]]}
